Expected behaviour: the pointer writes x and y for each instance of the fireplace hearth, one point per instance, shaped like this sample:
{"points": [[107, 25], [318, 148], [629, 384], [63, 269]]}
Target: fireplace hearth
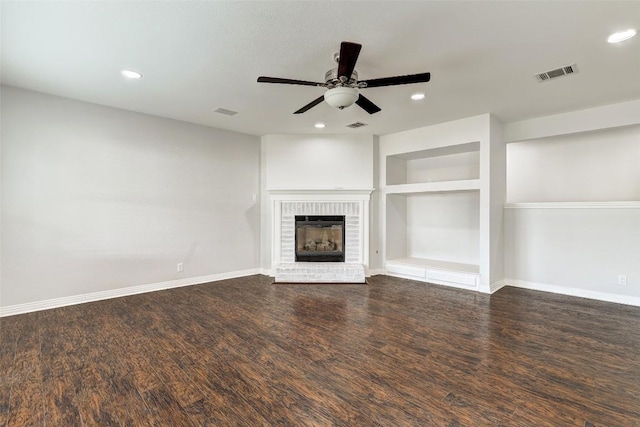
{"points": [[319, 238]]}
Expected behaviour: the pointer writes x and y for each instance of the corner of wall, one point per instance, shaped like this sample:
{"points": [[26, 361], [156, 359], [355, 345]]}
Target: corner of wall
{"points": [[375, 230], [265, 210]]}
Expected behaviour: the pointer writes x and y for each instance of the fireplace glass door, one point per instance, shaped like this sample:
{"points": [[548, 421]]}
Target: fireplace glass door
{"points": [[319, 238]]}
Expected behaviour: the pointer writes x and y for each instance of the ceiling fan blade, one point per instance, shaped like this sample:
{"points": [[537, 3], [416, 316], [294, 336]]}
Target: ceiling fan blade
{"points": [[263, 79], [310, 105], [367, 105], [348, 57], [398, 80]]}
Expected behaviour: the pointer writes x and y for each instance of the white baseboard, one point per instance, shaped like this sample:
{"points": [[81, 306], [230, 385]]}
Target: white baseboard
{"points": [[377, 271], [575, 292], [496, 286], [266, 272], [133, 290], [121, 292]]}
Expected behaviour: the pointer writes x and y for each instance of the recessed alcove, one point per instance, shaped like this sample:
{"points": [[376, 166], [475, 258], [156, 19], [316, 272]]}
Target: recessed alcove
{"points": [[443, 190]]}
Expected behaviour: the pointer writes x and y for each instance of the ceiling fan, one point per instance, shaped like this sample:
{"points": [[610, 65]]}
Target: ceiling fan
{"points": [[343, 84]]}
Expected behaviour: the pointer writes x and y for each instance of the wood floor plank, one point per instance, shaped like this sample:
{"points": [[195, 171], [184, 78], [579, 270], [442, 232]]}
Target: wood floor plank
{"points": [[61, 397], [111, 401], [7, 358], [155, 342], [231, 346], [245, 352], [26, 404], [64, 343], [164, 409]]}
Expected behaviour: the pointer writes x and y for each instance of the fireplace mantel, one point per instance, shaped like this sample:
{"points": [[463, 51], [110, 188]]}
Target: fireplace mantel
{"points": [[353, 203], [312, 194]]}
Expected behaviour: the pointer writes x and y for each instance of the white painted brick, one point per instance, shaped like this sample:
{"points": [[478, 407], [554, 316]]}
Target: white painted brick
{"points": [[349, 271], [320, 272]]}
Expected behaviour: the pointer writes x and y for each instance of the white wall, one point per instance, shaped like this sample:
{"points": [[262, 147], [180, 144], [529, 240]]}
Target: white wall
{"points": [[577, 250], [444, 227], [318, 161], [313, 162], [601, 165], [444, 168], [95, 198], [586, 229]]}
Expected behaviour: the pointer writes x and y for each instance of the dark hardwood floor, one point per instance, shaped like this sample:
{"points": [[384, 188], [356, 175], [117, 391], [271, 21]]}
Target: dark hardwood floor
{"points": [[244, 352]]}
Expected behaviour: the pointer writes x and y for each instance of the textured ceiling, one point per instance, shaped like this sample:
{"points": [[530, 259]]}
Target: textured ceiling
{"points": [[200, 56]]}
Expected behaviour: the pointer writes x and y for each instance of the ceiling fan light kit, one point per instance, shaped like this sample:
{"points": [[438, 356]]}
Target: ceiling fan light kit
{"points": [[341, 97], [342, 83]]}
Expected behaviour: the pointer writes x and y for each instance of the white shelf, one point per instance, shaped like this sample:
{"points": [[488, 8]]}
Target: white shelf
{"points": [[440, 265], [446, 150], [433, 271], [434, 187]]}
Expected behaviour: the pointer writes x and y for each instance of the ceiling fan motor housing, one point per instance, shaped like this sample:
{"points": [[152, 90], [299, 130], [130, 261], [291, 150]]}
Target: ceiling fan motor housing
{"points": [[332, 80]]}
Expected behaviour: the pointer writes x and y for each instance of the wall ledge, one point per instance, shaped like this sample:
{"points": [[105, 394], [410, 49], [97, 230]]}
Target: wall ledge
{"points": [[12, 310], [297, 191], [575, 292], [574, 205]]}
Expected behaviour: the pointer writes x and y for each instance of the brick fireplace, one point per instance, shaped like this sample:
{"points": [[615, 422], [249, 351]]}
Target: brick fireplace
{"points": [[353, 205]]}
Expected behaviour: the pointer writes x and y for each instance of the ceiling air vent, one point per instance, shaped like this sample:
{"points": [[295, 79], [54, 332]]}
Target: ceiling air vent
{"points": [[558, 72], [356, 125], [226, 112]]}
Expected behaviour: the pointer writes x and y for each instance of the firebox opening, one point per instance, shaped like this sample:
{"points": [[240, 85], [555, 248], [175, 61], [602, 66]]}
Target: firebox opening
{"points": [[319, 238]]}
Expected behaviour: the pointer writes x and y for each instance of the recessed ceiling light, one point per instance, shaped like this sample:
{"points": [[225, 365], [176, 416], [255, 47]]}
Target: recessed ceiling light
{"points": [[621, 36], [417, 96], [131, 74], [319, 125]]}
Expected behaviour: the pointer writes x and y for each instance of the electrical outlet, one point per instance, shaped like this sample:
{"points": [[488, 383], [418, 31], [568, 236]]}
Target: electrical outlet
{"points": [[180, 267], [622, 279]]}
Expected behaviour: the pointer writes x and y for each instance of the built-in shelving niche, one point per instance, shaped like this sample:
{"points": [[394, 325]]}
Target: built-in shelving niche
{"points": [[432, 213], [442, 190], [434, 236]]}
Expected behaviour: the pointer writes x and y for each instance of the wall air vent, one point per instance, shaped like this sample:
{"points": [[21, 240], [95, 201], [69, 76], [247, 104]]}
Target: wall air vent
{"points": [[558, 72], [226, 112], [356, 125]]}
